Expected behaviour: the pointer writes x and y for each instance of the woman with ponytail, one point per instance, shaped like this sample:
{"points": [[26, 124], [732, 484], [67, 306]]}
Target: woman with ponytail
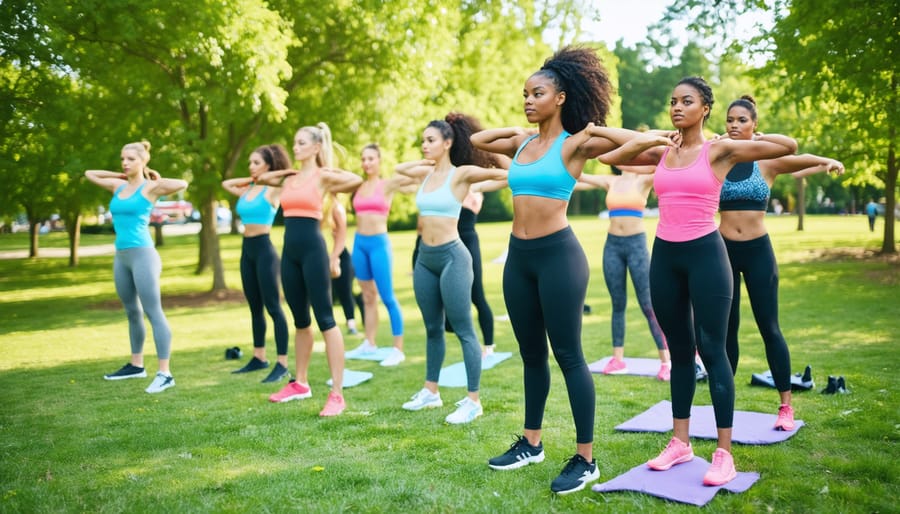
{"points": [[260, 267], [442, 277], [546, 273], [305, 266], [137, 266], [742, 211]]}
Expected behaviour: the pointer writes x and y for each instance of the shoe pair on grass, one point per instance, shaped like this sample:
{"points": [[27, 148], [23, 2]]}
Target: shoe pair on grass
{"points": [[294, 390], [575, 475], [161, 381]]}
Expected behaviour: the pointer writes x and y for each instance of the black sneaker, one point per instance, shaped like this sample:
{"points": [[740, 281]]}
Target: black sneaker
{"points": [[520, 453], [277, 373], [127, 371], [254, 365], [577, 473], [842, 386], [831, 388]]}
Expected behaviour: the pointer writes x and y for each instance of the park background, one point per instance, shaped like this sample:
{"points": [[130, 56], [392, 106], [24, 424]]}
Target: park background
{"points": [[207, 81]]}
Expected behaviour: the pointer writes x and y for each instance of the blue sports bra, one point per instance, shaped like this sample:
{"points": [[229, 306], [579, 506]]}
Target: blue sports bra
{"points": [[439, 202], [546, 177], [744, 189], [257, 211]]}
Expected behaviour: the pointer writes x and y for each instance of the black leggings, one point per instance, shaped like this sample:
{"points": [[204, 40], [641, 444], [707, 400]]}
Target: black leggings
{"points": [[544, 285], [259, 277], [691, 285], [485, 315], [755, 259], [305, 274], [342, 287]]}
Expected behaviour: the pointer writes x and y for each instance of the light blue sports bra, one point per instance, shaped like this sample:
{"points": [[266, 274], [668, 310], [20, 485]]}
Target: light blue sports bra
{"points": [[546, 177], [131, 217], [257, 211], [441, 201]]}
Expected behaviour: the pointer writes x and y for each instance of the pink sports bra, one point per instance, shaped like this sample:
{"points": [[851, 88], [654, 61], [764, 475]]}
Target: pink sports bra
{"points": [[375, 203]]}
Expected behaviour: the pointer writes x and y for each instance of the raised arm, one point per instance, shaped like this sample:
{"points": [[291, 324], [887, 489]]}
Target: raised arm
{"points": [[274, 178], [489, 185], [237, 186], [587, 182], [335, 180], [109, 180], [503, 141], [401, 184], [802, 165], [416, 170], [623, 146], [159, 186]]}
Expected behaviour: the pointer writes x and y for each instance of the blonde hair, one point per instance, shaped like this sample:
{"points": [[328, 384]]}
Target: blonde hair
{"points": [[142, 148], [321, 134]]}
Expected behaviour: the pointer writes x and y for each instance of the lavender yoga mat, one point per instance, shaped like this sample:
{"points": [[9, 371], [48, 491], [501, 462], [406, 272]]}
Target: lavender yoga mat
{"points": [[749, 427], [683, 483], [454, 375], [636, 366]]}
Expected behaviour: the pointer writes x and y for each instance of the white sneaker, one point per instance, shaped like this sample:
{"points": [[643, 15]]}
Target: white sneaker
{"points": [[363, 349], [466, 411], [160, 383], [395, 358], [424, 399], [487, 352]]}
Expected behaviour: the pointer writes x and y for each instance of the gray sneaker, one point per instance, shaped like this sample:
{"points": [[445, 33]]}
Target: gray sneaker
{"points": [[160, 383]]}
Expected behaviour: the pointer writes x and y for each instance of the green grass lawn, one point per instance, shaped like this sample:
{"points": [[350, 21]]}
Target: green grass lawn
{"points": [[73, 442]]}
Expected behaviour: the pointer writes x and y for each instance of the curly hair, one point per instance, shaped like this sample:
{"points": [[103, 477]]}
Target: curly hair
{"points": [[578, 71], [747, 102], [703, 88]]}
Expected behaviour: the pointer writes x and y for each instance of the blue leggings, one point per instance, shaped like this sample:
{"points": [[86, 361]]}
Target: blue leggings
{"points": [[690, 285], [260, 269], [305, 274], [136, 274], [442, 280], [628, 254], [544, 284], [373, 260], [755, 259]]}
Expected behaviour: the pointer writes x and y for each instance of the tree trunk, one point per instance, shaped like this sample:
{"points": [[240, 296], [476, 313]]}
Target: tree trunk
{"points": [[235, 222], [158, 234], [210, 256], [801, 202], [33, 230], [890, 195], [73, 228]]}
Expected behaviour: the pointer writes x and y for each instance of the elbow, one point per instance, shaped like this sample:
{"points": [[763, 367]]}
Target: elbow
{"points": [[793, 146]]}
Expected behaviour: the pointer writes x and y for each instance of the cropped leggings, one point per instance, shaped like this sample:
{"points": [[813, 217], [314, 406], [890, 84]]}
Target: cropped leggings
{"points": [[544, 284], [628, 254], [374, 260], [691, 280], [136, 274], [260, 270], [755, 260], [442, 280], [342, 287], [305, 274]]}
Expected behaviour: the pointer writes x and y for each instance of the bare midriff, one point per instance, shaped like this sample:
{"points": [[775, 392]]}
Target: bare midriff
{"points": [[537, 216], [742, 225]]}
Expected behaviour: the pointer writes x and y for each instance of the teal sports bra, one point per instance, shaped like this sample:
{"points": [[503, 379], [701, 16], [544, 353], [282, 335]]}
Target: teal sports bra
{"points": [[257, 211], [439, 202]]}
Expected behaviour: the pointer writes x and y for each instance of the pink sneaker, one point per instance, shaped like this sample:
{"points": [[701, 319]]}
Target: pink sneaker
{"points": [[334, 406], [292, 391], [615, 367], [785, 419], [722, 469], [676, 452], [665, 372]]}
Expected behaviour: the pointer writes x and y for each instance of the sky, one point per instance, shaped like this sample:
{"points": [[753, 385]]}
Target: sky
{"points": [[624, 19]]}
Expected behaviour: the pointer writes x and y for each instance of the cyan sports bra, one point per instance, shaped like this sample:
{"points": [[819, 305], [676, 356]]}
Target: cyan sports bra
{"points": [[257, 211], [546, 177], [439, 202], [744, 189]]}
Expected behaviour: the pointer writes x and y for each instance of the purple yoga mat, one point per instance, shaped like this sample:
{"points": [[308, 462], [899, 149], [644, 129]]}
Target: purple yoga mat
{"points": [[636, 366], [749, 427], [683, 483]]}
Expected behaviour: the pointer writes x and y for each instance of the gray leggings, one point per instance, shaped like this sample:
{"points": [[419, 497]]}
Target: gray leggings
{"points": [[136, 272], [629, 254], [442, 280]]}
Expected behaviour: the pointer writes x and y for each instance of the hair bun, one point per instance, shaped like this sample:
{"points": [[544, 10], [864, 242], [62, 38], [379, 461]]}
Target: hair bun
{"points": [[146, 144], [749, 99]]}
